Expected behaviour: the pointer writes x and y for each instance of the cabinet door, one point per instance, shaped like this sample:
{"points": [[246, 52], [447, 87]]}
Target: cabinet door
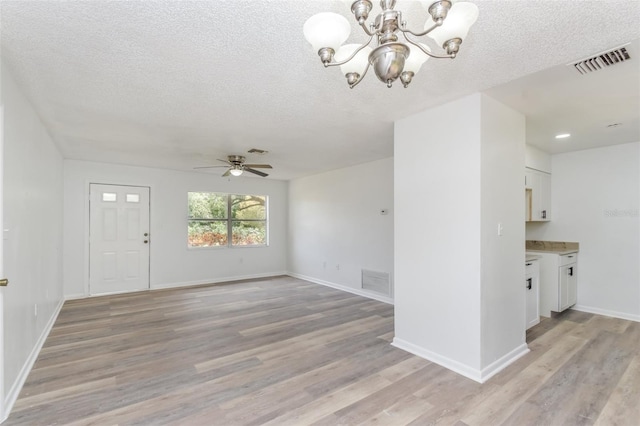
{"points": [[532, 304], [572, 284], [563, 288], [545, 196], [532, 195], [529, 177], [539, 183]]}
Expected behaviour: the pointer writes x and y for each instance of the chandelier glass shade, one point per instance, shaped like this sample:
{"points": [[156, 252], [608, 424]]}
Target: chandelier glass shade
{"points": [[396, 53]]}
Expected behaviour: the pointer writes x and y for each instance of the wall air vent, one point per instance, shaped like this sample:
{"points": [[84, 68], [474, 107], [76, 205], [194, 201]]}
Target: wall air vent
{"points": [[376, 281], [602, 60]]}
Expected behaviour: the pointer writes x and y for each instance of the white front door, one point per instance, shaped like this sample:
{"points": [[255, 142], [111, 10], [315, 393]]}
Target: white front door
{"points": [[119, 238]]}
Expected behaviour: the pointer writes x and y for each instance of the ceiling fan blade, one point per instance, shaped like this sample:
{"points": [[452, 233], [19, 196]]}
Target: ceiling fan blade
{"points": [[207, 167], [259, 166], [227, 173], [224, 161], [255, 172]]}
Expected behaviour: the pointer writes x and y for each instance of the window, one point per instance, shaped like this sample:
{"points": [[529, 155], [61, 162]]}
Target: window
{"points": [[213, 217], [109, 197]]}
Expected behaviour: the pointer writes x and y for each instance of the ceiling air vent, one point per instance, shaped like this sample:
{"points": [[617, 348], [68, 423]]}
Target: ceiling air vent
{"points": [[602, 60], [257, 151]]}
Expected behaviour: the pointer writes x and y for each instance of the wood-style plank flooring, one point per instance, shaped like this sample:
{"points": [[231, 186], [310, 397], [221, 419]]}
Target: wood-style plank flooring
{"points": [[282, 351]]}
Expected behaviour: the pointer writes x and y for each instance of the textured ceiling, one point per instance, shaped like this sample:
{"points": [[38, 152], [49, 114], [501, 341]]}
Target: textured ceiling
{"points": [[598, 109], [179, 84]]}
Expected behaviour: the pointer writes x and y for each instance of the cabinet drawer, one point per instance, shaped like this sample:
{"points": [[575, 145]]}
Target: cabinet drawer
{"points": [[567, 259], [531, 267]]}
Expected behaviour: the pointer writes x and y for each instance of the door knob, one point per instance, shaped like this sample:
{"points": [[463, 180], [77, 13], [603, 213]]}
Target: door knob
{"points": [[146, 241], [4, 282], [146, 234]]}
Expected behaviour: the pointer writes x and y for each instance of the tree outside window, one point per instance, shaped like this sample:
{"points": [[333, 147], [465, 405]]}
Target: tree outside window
{"points": [[214, 216]]}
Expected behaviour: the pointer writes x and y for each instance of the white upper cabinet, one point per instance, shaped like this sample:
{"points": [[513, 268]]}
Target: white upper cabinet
{"points": [[537, 195]]}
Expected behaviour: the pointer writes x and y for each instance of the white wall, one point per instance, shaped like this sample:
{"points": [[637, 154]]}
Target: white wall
{"points": [[459, 297], [33, 235], [335, 221], [437, 233], [503, 292], [537, 159], [596, 201], [171, 262]]}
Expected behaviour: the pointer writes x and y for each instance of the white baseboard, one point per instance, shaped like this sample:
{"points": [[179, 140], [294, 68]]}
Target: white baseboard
{"points": [[458, 367], [503, 362], [607, 313], [357, 291], [164, 286], [217, 280], [469, 372], [76, 296], [15, 389]]}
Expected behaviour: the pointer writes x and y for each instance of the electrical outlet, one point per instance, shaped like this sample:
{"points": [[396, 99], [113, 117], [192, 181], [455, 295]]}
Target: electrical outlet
{"points": [[500, 229], [35, 310], [241, 260], [337, 267], [324, 265]]}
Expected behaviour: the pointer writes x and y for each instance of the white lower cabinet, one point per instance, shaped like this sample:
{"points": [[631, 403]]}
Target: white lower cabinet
{"points": [[568, 288], [532, 293], [558, 282]]}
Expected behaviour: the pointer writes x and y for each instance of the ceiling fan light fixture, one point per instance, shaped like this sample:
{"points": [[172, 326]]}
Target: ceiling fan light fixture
{"points": [[236, 171], [237, 166]]}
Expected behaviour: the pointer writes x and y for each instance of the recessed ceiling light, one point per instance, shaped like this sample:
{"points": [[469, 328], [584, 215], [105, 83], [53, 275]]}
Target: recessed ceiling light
{"points": [[563, 135]]}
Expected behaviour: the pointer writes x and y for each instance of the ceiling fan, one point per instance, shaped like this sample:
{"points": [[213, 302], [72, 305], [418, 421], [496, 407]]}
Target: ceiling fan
{"points": [[236, 165]]}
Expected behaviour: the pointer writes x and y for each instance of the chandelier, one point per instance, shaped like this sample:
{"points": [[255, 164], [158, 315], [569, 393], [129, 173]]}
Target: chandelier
{"points": [[448, 24]]}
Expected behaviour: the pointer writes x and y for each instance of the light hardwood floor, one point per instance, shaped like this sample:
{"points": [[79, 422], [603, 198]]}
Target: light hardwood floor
{"points": [[282, 351]]}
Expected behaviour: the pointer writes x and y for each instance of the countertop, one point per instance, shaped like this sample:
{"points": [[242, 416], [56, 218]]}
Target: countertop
{"points": [[529, 257], [556, 247], [560, 252]]}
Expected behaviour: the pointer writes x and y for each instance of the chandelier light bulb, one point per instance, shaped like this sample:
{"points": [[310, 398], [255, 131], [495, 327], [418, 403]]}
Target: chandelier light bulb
{"points": [[326, 29], [460, 18]]}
